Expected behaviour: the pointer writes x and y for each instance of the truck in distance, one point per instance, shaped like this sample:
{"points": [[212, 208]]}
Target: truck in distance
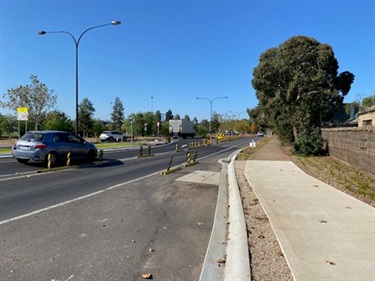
{"points": [[181, 128]]}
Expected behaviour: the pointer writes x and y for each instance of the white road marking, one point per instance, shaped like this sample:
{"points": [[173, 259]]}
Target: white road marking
{"points": [[75, 199], [94, 193]]}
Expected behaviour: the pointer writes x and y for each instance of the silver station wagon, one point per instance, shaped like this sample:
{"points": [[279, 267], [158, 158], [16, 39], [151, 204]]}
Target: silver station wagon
{"points": [[38, 145]]}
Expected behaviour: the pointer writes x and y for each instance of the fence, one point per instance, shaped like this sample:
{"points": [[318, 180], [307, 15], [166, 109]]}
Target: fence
{"points": [[353, 145]]}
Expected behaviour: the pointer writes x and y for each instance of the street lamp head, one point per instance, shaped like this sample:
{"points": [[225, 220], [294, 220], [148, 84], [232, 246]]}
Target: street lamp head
{"points": [[116, 22], [42, 32]]}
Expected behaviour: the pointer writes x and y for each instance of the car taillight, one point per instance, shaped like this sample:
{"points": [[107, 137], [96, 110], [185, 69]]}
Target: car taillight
{"points": [[40, 145]]}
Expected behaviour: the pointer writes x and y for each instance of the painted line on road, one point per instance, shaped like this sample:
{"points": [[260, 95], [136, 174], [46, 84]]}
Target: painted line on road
{"points": [[94, 193], [75, 199]]}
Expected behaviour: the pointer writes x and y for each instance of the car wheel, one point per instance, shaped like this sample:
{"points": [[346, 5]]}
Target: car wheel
{"points": [[124, 138], [53, 159], [90, 156], [111, 139], [23, 161]]}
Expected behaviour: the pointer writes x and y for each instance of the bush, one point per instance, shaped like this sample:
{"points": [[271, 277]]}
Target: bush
{"points": [[309, 143]]}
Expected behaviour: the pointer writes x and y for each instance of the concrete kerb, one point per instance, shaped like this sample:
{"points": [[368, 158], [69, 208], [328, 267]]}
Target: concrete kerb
{"points": [[228, 237], [238, 261], [211, 270]]}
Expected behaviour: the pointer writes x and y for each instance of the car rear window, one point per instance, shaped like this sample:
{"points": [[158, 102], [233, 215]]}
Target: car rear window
{"points": [[33, 136]]}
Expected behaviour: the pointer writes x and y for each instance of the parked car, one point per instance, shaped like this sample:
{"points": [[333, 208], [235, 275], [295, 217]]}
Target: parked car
{"points": [[112, 136], [260, 134], [38, 145]]}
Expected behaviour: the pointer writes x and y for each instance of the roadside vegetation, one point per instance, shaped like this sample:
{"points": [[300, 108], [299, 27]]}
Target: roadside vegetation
{"points": [[330, 170], [299, 89]]}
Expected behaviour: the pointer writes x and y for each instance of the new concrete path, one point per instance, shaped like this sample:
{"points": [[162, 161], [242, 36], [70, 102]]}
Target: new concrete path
{"points": [[324, 233]]}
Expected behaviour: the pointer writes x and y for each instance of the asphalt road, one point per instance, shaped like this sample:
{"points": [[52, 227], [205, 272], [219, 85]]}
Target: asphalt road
{"points": [[114, 220]]}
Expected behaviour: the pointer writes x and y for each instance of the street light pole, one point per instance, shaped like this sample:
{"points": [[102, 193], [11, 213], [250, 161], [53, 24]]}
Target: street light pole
{"points": [[238, 114], [76, 42], [211, 102]]}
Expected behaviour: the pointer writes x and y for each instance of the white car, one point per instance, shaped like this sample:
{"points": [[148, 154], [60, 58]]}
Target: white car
{"points": [[260, 134], [112, 136]]}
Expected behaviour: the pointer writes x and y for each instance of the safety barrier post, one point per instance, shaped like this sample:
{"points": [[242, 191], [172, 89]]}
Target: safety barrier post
{"points": [[149, 150], [49, 161], [68, 159], [170, 163], [168, 171], [195, 157], [188, 160], [252, 144], [140, 151], [101, 155], [188, 157]]}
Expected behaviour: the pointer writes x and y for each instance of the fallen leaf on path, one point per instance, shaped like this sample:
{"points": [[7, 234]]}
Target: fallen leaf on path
{"points": [[147, 276]]}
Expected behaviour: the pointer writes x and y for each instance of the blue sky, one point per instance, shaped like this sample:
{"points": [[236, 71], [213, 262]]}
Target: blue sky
{"points": [[167, 53]]}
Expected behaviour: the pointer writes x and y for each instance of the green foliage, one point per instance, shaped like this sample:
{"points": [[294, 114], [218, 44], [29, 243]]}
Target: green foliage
{"points": [[298, 88], [35, 97], [362, 105], [258, 117], [234, 125], [202, 129], [117, 115], [98, 127], [85, 116], [168, 115], [58, 120], [216, 121], [164, 129], [368, 102], [7, 124], [308, 143]]}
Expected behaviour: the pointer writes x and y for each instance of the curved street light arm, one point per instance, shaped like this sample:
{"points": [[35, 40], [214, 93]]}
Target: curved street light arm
{"points": [[76, 42]]}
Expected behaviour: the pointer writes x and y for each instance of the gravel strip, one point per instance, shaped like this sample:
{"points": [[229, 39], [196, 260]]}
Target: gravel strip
{"points": [[267, 261]]}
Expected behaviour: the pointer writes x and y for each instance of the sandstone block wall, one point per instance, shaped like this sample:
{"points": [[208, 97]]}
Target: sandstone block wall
{"points": [[355, 146]]}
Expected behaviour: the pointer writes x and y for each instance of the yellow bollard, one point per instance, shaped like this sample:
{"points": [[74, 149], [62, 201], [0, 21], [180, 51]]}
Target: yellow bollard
{"points": [[68, 160], [101, 155], [188, 157], [49, 161]]}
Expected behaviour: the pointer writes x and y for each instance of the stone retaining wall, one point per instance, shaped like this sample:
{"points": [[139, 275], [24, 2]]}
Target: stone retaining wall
{"points": [[353, 145]]}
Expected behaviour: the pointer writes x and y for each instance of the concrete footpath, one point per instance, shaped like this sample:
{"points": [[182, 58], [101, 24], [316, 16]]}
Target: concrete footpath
{"points": [[324, 233]]}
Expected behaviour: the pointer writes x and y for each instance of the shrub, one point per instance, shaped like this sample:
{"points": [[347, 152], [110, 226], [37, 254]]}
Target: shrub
{"points": [[308, 143]]}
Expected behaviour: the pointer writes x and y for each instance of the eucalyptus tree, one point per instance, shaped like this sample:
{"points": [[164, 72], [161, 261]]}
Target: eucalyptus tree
{"points": [[298, 88]]}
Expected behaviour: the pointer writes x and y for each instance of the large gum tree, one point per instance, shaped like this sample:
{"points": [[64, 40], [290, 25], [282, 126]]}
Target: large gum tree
{"points": [[298, 88]]}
